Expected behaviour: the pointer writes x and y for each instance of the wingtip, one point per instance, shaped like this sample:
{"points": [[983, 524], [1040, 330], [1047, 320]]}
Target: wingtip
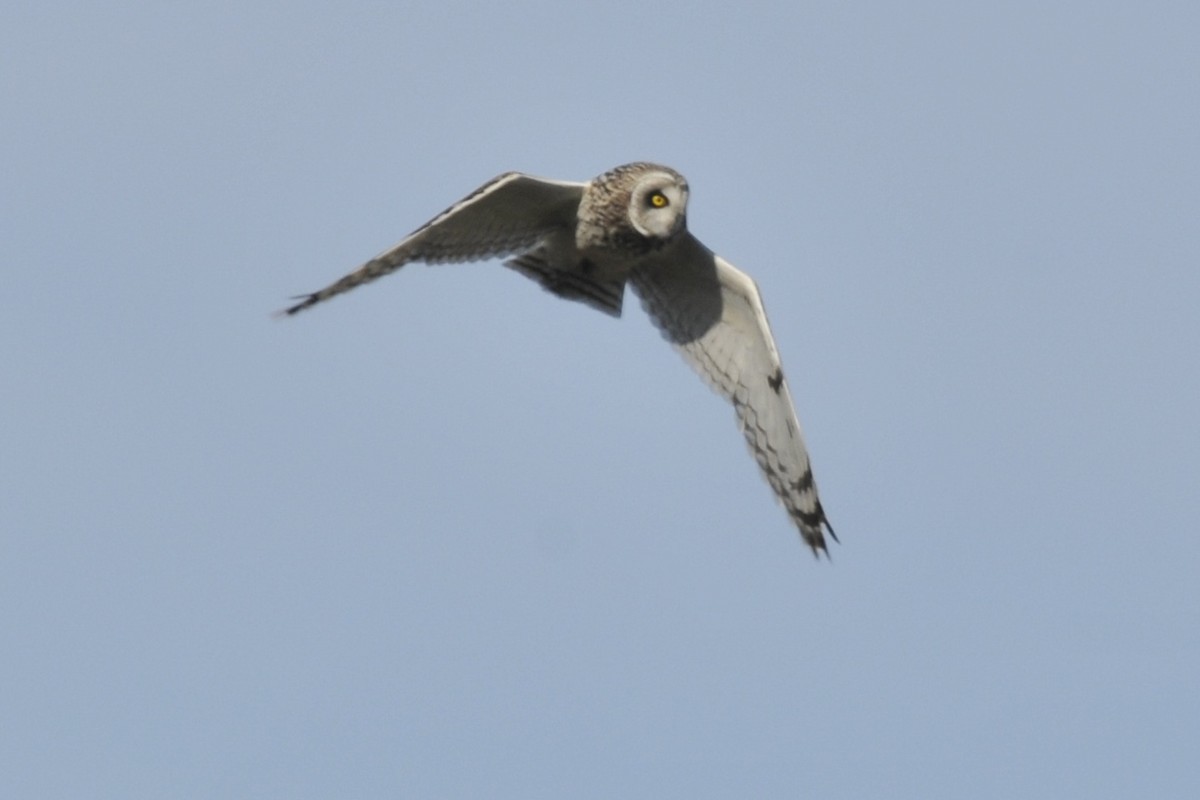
{"points": [[819, 549], [306, 300], [816, 541]]}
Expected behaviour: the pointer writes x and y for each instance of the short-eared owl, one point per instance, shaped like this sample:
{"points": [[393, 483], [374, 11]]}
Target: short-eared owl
{"points": [[584, 241]]}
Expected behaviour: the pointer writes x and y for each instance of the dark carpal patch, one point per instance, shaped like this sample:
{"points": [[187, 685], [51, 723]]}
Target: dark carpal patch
{"points": [[776, 380]]}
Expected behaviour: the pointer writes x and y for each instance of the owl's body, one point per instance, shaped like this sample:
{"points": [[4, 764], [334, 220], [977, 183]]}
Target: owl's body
{"points": [[584, 242]]}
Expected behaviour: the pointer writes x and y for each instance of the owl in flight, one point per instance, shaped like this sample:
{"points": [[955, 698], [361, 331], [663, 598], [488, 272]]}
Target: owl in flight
{"points": [[584, 242]]}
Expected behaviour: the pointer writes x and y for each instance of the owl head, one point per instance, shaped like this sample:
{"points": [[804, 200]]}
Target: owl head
{"points": [[658, 203], [634, 208]]}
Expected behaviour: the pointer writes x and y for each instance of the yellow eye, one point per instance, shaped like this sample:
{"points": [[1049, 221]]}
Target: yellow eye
{"points": [[659, 200]]}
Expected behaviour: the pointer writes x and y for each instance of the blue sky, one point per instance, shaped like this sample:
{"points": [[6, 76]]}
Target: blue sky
{"points": [[448, 536]]}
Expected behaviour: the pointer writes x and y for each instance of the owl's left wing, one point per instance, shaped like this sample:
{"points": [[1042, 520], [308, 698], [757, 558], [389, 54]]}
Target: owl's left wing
{"points": [[713, 314], [509, 214]]}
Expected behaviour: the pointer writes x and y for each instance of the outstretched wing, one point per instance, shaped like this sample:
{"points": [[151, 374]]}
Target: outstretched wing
{"points": [[713, 314], [509, 214]]}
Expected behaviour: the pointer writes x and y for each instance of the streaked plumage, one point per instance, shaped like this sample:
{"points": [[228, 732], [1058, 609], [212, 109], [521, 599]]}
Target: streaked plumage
{"points": [[584, 242]]}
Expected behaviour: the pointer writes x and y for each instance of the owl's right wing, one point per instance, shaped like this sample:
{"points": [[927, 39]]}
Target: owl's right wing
{"points": [[712, 312], [509, 214]]}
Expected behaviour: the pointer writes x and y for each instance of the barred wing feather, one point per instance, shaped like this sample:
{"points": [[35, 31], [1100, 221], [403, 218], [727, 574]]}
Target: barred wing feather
{"points": [[713, 314]]}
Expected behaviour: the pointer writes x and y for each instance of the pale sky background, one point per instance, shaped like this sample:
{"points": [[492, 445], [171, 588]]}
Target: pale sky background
{"points": [[448, 536]]}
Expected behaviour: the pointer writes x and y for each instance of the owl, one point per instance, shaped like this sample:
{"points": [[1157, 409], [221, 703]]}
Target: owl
{"points": [[585, 242]]}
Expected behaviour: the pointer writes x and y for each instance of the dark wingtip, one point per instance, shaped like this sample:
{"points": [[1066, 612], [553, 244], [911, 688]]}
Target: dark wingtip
{"points": [[306, 300], [818, 542], [819, 549]]}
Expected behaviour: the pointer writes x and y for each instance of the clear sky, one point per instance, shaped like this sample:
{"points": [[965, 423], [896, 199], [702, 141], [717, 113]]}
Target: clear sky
{"points": [[448, 536]]}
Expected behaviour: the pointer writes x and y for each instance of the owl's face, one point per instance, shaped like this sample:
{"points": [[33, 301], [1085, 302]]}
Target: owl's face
{"points": [[658, 204], [632, 210]]}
